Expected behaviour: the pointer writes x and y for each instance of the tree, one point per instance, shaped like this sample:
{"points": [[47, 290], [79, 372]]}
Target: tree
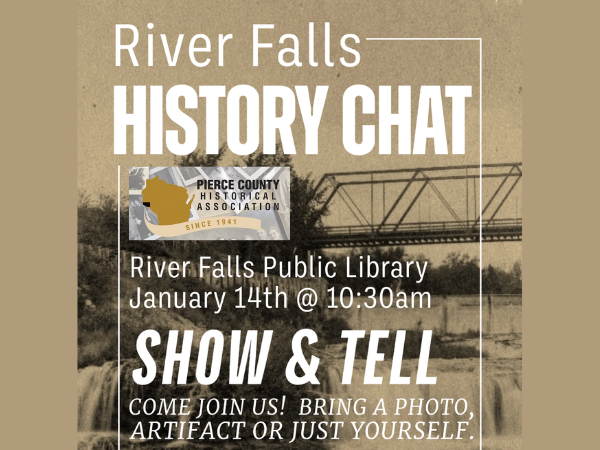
{"points": [[97, 222], [517, 278], [306, 210], [498, 281], [457, 275], [359, 256], [197, 159]]}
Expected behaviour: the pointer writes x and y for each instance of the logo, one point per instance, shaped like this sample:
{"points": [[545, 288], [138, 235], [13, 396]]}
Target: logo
{"points": [[209, 203]]}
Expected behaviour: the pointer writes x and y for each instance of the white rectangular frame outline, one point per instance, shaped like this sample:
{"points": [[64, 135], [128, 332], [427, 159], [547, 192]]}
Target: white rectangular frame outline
{"points": [[480, 248], [119, 307]]}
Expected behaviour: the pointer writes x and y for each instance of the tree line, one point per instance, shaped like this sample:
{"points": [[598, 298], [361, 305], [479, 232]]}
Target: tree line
{"points": [[458, 274]]}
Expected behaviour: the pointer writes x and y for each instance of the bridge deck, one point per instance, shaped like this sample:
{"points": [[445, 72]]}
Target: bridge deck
{"points": [[496, 230]]}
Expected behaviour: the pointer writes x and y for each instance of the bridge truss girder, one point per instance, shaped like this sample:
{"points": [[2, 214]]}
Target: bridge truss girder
{"points": [[390, 231]]}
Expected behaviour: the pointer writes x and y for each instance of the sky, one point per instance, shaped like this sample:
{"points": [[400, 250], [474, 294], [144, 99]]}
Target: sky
{"points": [[390, 63]]}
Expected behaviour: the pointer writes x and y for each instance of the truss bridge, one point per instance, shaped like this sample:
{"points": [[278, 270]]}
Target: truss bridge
{"points": [[428, 205]]}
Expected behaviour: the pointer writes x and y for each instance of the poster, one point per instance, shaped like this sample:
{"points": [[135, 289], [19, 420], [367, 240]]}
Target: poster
{"points": [[388, 312]]}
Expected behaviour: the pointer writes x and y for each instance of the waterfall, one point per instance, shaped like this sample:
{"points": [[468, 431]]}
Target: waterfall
{"points": [[98, 394], [104, 440], [97, 389], [97, 400], [195, 392], [456, 379]]}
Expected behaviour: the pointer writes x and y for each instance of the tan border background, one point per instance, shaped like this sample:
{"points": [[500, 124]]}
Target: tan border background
{"points": [[561, 313], [561, 307], [39, 192]]}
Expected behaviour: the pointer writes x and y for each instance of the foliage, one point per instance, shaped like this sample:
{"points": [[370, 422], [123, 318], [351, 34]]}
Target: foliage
{"points": [[332, 330], [457, 275], [498, 281], [198, 159], [359, 256], [97, 220], [306, 208]]}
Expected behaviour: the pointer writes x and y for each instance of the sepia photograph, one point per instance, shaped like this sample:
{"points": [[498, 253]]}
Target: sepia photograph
{"points": [[388, 314]]}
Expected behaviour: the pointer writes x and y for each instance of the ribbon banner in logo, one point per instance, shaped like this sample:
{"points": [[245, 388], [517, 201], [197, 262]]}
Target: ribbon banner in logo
{"points": [[203, 224]]}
